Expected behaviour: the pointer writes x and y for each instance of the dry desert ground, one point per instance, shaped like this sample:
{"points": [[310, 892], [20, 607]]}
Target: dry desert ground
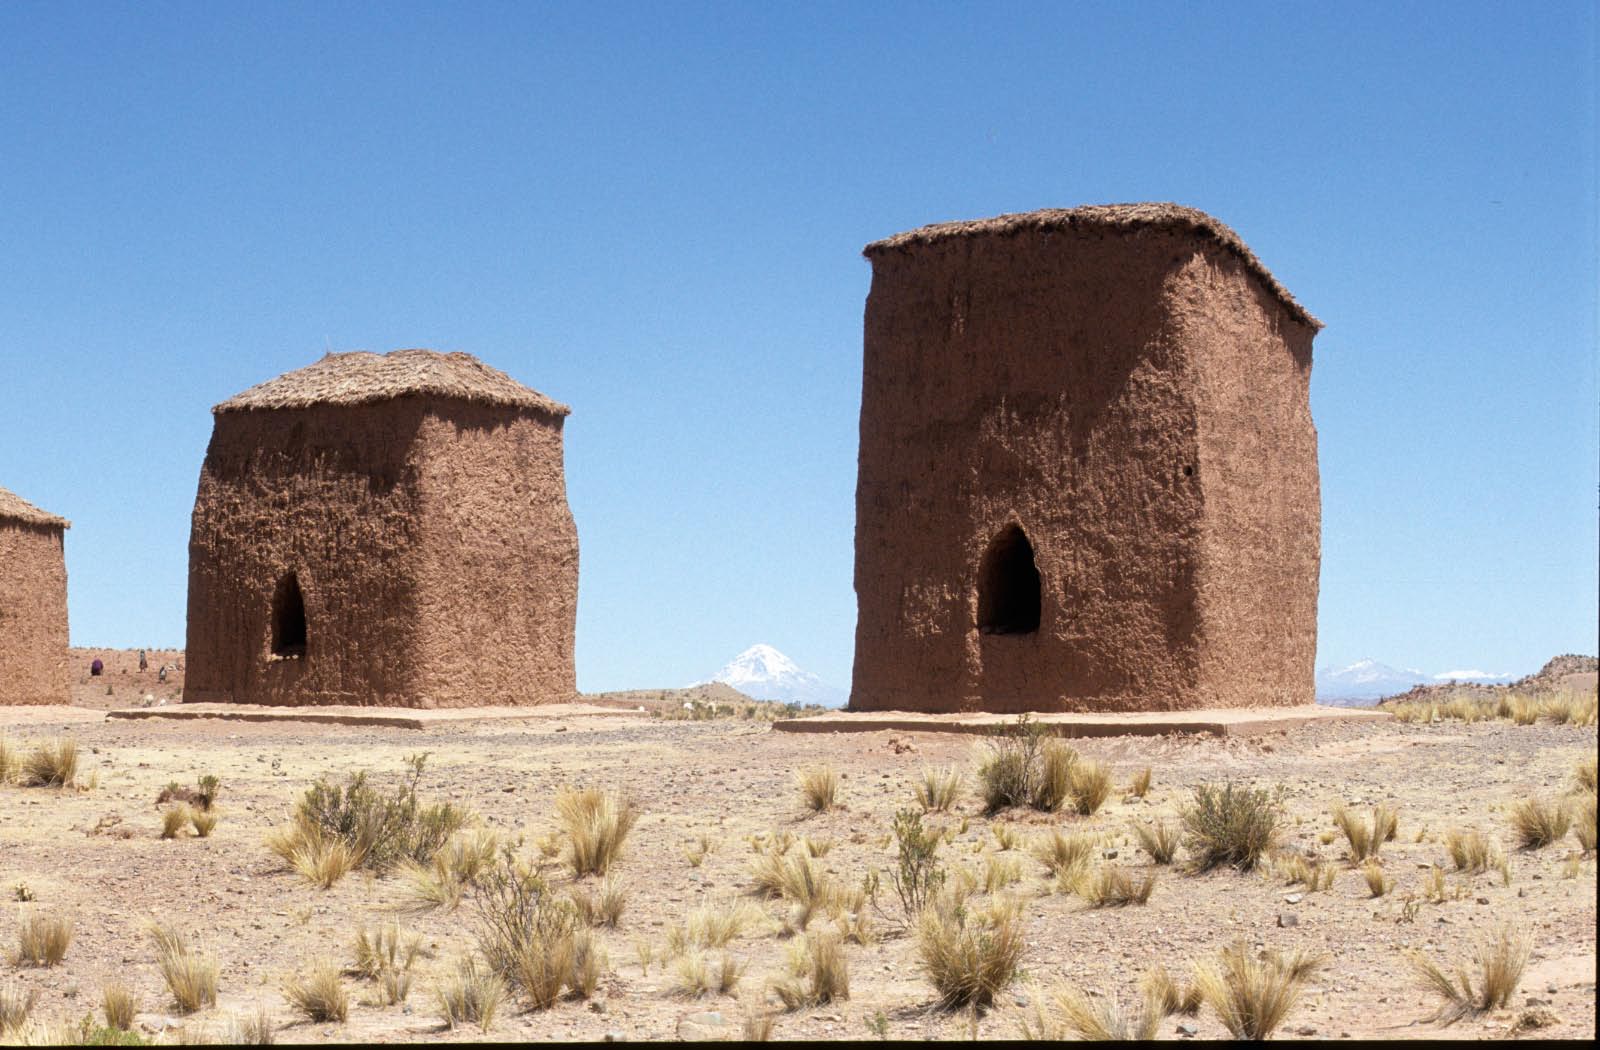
{"points": [[724, 790]]}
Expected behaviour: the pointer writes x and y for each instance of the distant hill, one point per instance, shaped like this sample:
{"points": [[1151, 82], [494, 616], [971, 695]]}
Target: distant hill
{"points": [[1367, 681]]}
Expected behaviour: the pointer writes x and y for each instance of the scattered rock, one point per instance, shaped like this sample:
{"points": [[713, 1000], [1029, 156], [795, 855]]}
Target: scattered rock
{"points": [[1186, 1029], [1483, 900], [1532, 1020], [704, 1026], [1293, 898], [1287, 920], [615, 1036]]}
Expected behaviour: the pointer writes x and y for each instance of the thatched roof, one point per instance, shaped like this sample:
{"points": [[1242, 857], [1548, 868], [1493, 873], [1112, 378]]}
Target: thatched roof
{"points": [[14, 508], [1106, 216], [360, 377]]}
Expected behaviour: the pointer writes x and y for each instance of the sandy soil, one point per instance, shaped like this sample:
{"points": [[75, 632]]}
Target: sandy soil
{"points": [[734, 778]]}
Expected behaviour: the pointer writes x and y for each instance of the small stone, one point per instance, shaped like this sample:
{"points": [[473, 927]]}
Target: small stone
{"points": [[1109, 854], [615, 1036], [1293, 898], [1287, 920], [1186, 1029], [561, 729], [1307, 1030], [1483, 900], [1534, 1001]]}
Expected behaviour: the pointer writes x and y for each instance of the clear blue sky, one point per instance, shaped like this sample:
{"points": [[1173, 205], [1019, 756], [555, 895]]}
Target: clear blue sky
{"points": [[654, 212]]}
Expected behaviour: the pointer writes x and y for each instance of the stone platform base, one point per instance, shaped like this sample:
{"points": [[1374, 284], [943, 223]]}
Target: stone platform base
{"points": [[1215, 722], [398, 717]]}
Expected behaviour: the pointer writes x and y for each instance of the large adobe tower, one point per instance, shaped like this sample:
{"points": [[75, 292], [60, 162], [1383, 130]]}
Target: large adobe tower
{"points": [[1088, 471], [387, 530], [33, 604]]}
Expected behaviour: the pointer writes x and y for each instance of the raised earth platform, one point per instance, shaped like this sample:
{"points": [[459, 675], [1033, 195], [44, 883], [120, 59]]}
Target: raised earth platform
{"points": [[1215, 722], [399, 717]]}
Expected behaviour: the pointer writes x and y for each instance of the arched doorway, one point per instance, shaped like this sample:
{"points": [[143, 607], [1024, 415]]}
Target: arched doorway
{"points": [[288, 619], [1008, 585]]}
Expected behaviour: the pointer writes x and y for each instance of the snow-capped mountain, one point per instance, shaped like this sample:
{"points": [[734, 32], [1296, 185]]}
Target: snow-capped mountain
{"points": [[763, 673], [1370, 680], [1367, 680]]}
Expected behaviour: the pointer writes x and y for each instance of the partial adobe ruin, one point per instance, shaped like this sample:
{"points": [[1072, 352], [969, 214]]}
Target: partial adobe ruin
{"points": [[384, 530], [1088, 469], [33, 604]]}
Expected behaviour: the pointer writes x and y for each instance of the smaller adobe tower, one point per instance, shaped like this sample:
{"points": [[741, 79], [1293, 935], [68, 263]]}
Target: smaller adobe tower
{"points": [[1088, 470], [33, 604], [384, 529]]}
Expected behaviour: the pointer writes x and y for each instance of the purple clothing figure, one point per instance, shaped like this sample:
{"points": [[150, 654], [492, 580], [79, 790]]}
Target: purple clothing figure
{"points": [[96, 667]]}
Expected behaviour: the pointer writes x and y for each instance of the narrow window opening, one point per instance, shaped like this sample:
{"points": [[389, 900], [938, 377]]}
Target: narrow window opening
{"points": [[288, 620], [1008, 585]]}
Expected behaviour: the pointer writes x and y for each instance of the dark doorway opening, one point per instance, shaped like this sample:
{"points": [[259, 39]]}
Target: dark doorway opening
{"points": [[1008, 585], [288, 619]]}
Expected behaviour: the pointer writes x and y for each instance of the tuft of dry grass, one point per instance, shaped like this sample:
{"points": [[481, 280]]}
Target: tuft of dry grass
{"points": [[695, 852], [1112, 887], [1583, 775], [1166, 996], [1294, 867], [1000, 871], [713, 925], [1539, 822], [255, 1029], [1067, 856], [319, 994], [797, 879], [819, 787], [1252, 995], [42, 940], [758, 1026], [15, 1006], [1099, 1018], [604, 907], [1006, 836], [174, 819], [53, 763], [1378, 883], [204, 821], [1499, 961], [1159, 840], [1231, 824], [1025, 766], [1583, 824], [819, 973], [938, 789], [596, 824], [1471, 851], [445, 878], [10, 767], [386, 955], [119, 1006], [970, 956], [1139, 786], [191, 978], [470, 995], [1056, 781], [698, 978], [1366, 839], [1091, 785], [318, 857]]}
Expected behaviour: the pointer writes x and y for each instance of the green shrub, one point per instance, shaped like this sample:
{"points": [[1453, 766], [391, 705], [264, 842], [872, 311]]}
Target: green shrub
{"points": [[1230, 824]]}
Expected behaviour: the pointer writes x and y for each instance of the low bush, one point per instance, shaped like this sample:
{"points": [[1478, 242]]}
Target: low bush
{"points": [[53, 763], [1100, 1018], [604, 906], [1159, 840], [698, 977], [1364, 839], [527, 932], [1112, 887], [917, 875], [118, 1005], [1230, 824]]}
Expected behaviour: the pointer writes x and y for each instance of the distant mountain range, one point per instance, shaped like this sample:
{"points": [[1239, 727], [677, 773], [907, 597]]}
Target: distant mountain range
{"points": [[763, 673], [1367, 680]]}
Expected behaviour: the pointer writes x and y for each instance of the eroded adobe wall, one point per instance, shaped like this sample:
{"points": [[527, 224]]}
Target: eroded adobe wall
{"points": [[497, 584], [33, 615], [329, 494], [1037, 378], [1260, 539]]}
